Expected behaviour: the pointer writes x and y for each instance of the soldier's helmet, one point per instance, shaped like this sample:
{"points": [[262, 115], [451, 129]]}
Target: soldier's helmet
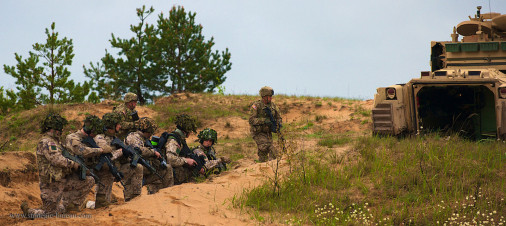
{"points": [[93, 124], [111, 119], [266, 91], [52, 121], [208, 134], [147, 125], [186, 123], [130, 97]]}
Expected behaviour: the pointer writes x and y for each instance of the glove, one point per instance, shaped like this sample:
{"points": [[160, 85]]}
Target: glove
{"points": [[74, 165]]}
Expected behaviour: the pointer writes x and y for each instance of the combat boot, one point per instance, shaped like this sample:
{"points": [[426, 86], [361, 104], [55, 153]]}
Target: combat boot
{"points": [[101, 201]]}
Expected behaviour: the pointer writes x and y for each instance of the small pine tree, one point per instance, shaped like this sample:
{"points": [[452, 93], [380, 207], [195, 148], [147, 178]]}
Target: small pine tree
{"points": [[52, 76]]}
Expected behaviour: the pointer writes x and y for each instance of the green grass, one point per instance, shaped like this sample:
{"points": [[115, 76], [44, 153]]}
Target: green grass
{"points": [[331, 140], [417, 181]]}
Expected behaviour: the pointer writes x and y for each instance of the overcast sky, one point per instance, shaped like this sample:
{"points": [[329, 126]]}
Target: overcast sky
{"points": [[315, 48]]}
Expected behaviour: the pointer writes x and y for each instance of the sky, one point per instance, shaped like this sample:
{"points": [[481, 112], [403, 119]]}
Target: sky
{"points": [[306, 48]]}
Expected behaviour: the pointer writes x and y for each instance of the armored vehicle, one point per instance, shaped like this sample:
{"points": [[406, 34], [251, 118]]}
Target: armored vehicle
{"points": [[464, 92]]}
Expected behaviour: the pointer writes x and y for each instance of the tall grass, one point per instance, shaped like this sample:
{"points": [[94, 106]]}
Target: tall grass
{"points": [[418, 181]]}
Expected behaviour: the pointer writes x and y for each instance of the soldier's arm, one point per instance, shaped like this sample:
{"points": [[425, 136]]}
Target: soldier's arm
{"points": [[254, 118], [104, 144], [172, 154], [76, 147], [135, 141], [50, 150], [125, 125]]}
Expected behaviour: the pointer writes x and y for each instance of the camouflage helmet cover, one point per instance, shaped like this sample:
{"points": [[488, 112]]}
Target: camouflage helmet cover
{"points": [[208, 134], [130, 97], [53, 121], [147, 125], [111, 119], [266, 91], [186, 123], [93, 124]]}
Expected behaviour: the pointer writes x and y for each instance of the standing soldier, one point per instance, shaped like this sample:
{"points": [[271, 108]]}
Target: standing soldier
{"points": [[264, 119], [207, 138], [176, 144], [128, 115], [140, 139], [78, 144], [57, 174]]}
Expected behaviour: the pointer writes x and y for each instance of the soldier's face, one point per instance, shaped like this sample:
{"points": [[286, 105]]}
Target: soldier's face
{"points": [[267, 99], [118, 127], [207, 143], [131, 105]]}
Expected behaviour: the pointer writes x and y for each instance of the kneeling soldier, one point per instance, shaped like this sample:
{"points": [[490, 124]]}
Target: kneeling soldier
{"points": [[78, 143], [141, 140], [60, 186], [207, 138], [176, 146]]}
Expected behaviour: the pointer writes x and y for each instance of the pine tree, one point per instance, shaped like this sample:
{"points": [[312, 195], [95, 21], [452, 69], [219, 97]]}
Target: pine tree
{"points": [[175, 48], [183, 53], [52, 76], [133, 69]]}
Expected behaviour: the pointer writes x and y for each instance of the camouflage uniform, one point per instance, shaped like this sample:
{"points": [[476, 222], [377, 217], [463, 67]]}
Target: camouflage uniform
{"points": [[260, 129], [103, 192], [173, 148], [61, 189], [133, 176], [210, 164], [128, 124], [91, 157]]}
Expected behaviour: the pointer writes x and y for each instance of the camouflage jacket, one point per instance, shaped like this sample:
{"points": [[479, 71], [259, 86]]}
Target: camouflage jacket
{"points": [[136, 139], [172, 148], [104, 142], [257, 116], [206, 152], [127, 123], [52, 165], [75, 146]]}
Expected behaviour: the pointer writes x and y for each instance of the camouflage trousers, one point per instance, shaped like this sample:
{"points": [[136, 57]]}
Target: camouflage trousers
{"points": [[132, 178], [153, 182], [104, 190], [266, 149], [68, 194], [182, 175]]}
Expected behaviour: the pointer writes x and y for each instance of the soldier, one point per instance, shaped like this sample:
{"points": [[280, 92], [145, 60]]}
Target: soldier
{"points": [[140, 139], [128, 115], [207, 138], [262, 124], [57, 174], [110, 122], [75, 144], [176, 143]]}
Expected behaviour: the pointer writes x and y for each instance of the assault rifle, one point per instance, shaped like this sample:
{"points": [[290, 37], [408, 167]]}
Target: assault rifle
{"points": [[133, 153], [135, 115], [186, 152], [275, 126], [82, 166], [156, 144], [211, 155], [104, 159]]}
